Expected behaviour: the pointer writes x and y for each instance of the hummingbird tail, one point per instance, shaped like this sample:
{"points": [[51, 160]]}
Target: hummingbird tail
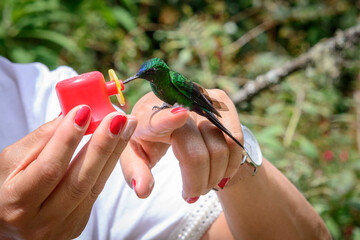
{"points": [[212, 118]]}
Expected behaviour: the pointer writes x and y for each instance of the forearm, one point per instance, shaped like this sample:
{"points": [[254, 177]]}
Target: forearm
{"points": [[268, 206]]}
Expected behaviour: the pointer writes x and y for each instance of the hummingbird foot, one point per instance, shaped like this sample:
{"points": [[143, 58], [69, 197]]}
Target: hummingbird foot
{"points": [[164, 106]]}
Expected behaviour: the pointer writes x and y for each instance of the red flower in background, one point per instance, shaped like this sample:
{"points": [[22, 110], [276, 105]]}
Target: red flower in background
{"points": [[328, 155]]}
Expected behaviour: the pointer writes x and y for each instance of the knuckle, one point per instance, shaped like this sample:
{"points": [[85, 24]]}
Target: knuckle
{"points": [[102, 149], [6, 153], [219, 93], [44, 230], [73, 140], [42, 130], [8, 160], [197, 157], [13, 217], [220, 152], [50, 173], [79, 188], [95, 191]]}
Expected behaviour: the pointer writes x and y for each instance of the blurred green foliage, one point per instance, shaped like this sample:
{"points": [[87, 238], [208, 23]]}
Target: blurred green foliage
{"points": [[308, 125]]}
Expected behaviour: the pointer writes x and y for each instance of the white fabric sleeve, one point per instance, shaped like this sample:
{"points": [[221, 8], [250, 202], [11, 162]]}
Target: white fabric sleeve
{"points": [[27, 98]]}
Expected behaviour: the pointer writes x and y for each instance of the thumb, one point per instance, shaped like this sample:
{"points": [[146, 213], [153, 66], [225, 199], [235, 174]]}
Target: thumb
{"points": [[156, 126], [159, 125]]}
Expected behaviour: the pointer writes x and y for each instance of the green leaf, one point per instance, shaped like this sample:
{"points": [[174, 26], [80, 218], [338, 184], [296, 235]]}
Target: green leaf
{"points": [[308, 148], [21, 55], [274, 130], [356, 234], [124, 18], [343, 182], [185, 56], [333, 227], [269, 137], [52, 36]]}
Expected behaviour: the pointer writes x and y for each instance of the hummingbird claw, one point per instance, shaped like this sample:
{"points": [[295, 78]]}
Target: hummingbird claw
{"points": [[164, 106], [159, 108], [155, 108]]}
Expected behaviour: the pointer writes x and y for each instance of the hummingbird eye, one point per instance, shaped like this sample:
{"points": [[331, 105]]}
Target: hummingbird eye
{"points": [[151, 70]]}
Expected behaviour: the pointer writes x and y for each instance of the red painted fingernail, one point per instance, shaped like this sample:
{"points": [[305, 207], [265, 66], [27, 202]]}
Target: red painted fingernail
{"points": [[133, 184], [178, 109], [60, 114], [82, 116], [117, 123], [223, 182], [192, 199]]}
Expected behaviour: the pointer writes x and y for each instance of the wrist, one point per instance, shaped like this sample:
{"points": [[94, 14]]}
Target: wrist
{"points": [[244, 175]]}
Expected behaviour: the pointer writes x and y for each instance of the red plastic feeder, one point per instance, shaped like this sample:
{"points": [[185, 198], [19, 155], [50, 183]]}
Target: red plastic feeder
{"points": [[89, 89]]}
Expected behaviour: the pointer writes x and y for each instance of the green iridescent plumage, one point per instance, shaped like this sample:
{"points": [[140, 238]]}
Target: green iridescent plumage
{"points": [[172, 87]]}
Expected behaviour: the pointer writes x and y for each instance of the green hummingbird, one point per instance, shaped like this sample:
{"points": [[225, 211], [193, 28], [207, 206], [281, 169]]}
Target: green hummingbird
{"points": [[173, 88]]}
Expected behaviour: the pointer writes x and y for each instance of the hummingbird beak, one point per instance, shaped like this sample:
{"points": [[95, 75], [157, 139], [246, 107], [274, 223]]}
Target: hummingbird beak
{"points": [[130, 79]]}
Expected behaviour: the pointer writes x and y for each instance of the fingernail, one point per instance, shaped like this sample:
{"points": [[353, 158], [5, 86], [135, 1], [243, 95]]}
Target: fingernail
{"points": [[192, 199], [223, 182], [82, 116], [60, 114], [178, 109], [130, 128], [117, 123], [133, 184]]}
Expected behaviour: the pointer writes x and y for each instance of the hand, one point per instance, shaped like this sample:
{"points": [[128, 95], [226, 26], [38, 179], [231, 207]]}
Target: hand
{"points": [[42, 194], [207, 157]]}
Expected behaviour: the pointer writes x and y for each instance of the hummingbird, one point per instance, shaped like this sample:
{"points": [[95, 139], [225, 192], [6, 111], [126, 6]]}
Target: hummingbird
{"points": [[174, 88]]}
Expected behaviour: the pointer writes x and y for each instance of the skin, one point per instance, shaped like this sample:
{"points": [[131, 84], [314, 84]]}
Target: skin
{"points": [[264, 206], [42, 196]]}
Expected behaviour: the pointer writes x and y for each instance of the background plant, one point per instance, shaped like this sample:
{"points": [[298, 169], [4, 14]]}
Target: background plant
{"points": [[308, 125]]}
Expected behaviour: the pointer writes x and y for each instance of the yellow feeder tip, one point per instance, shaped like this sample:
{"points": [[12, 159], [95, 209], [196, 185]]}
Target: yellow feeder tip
{"points": [[119, 96]]}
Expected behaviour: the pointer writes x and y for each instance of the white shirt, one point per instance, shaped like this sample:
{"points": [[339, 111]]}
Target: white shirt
{"points": [[28, 100]]}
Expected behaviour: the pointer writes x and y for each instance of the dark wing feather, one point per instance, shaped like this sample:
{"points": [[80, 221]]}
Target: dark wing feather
{"points": [[192, 91], [217, 105]]}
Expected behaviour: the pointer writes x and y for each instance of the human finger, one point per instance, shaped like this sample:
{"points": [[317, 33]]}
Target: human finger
{"points": [[218, 151], [41, 177], [157, 125], [18, 156], [230, 120], [192, 153], [150, 142], [85, 168], [108, 168], [136, 166]]}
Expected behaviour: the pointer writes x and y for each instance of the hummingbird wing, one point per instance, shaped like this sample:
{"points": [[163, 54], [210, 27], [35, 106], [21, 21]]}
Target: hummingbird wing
{"points": [[203, 105], [192, 91], [217, 105]]}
